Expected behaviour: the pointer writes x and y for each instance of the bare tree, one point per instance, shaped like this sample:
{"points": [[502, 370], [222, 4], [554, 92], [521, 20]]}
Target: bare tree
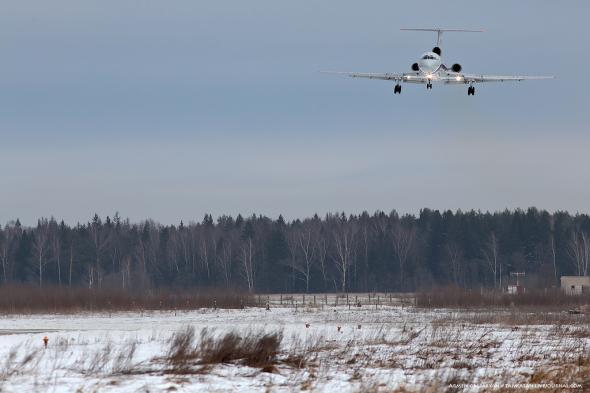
{"points": [[455, 257], [490, 253], [40, 246], [172, 251], [147, 251], [9, 239], [5, 248], [322, 251], [552, 247], [188, 244], [224, 260], [126, 272], [307, 246], [247, 258], [366, 233], [71, 264], [403, 244], [586, 248], [204, 250], [579, 250], [115, 250], [292, 238], [344, 236], [55, 245], [100, 240]]}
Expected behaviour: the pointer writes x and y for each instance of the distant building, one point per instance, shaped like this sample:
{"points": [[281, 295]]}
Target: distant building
{"points": [[515, 289], [575, 285], [518, 288]]}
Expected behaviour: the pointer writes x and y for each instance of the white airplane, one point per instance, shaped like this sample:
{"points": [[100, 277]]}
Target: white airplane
{"points": [[430, 68]]}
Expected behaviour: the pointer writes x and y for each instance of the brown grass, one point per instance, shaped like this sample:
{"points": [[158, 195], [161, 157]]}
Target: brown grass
{"points": [[29, 299], [182, 347], [451, 297], [254, 349], [522, 317]]}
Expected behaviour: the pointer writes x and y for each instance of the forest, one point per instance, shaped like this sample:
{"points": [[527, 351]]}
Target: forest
{"points": [[335, 253]]}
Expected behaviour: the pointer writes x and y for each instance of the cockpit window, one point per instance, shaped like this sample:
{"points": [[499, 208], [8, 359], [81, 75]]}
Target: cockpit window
{"points": [[428, 57]]}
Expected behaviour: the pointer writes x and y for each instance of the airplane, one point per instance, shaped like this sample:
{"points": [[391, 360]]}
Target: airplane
{"points": [[430, 68]]}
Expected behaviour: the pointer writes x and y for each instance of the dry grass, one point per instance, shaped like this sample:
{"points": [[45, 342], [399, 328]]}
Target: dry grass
{"points": [[28, 299], [13, 364], [100, 359], [515, 318], [182, 347], [123, 361], [552, 379], [451, 297], [254, 349], [182, 352]]}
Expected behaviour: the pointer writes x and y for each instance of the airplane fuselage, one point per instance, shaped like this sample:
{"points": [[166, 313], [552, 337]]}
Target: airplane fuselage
{"points": [[429, 63]]}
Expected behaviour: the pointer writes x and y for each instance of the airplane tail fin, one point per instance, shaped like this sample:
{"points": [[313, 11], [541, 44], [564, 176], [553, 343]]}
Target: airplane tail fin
{"points": [[441, 31]]}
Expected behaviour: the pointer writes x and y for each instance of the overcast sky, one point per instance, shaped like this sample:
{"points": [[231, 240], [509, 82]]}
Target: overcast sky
{"points": [[174, 109]]}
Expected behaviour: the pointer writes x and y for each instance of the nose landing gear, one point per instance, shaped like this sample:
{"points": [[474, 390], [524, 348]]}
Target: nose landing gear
{"points": [[397, 89], [471, 91], [429, 86]]}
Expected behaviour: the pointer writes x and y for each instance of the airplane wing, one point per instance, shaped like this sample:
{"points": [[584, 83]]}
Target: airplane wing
{"points": [[473, 78], [445, 77], [388, 76]]}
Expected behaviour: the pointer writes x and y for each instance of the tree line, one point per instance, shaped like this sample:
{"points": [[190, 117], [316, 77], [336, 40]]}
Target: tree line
{"points": [[336, 253]]}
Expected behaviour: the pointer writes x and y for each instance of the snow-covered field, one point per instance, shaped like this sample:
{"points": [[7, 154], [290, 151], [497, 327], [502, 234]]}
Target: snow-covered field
{"points": [[339, 349]]}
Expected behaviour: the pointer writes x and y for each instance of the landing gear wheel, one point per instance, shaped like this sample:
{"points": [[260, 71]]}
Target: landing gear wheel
{"points": [[397, 89], [471, 91], [429, 86]]}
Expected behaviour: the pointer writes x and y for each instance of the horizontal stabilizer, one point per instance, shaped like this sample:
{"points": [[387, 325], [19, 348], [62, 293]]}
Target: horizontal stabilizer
{"points": [[441, 31]]}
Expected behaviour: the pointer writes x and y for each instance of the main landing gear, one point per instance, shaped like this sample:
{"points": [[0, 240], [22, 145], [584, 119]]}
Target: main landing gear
{"points": [[471, 91], [429, 86], [397, 89]]}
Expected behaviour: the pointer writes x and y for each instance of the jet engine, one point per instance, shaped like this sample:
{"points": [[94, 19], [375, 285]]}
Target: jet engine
{"points": [[415, 67], [436, 50], [456, 67]]}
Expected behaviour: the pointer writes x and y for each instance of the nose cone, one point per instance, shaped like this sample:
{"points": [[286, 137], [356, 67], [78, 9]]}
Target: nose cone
{"points": [[429, 62]]}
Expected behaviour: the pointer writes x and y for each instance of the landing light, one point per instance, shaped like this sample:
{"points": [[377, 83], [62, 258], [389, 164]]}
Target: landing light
{"points": [[458, 78], [429, 76]]}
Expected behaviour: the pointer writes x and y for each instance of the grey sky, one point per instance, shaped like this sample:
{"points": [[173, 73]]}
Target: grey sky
{"points": [[173, 109]]}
